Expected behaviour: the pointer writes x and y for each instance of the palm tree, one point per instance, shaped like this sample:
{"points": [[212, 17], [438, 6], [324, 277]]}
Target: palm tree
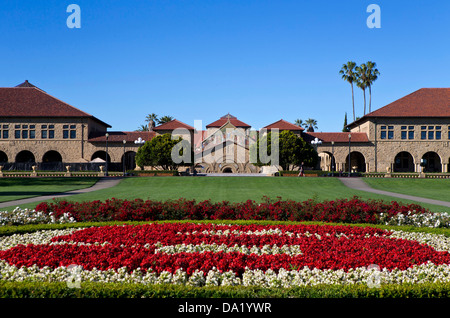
{"points": [[311, 123], [362, 80], [151, 117], [165, 119], [142, 128], [372, 77], [348, 73], [299, 122]]}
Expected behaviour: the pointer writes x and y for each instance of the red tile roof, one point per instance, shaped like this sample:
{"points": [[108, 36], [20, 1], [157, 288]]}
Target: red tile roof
{"points": [[30, 101], [283, 125], [337, 136], [425, 102], [172, 125], [224, 119], [119, 136]]}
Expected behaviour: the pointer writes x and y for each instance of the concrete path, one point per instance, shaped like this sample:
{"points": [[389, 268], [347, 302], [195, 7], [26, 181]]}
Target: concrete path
{"points": [[102, 183], [359, 184]]}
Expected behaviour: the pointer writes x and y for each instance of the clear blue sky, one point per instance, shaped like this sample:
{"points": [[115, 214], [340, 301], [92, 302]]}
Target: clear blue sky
{"points": [[260, 60]]}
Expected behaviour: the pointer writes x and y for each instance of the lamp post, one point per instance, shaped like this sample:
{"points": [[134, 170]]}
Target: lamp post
{"points": [[332, 158], [139, 141], [106, 159], [315, 143], [124, 158], [349, 159]]}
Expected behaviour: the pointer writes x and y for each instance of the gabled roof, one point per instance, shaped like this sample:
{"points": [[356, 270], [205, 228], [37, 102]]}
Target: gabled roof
{"points": [[120, 136], [27, 100], [425, 102], [283, 125], [336, 136], [232, 119], [172, 125]]}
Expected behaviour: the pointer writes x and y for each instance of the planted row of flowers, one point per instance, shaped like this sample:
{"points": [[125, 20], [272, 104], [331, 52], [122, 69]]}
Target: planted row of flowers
{"points": [[205, 254], [352, 210]]}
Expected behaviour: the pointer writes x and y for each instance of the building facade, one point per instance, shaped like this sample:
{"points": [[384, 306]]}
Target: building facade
{"points": [[411, 134]]}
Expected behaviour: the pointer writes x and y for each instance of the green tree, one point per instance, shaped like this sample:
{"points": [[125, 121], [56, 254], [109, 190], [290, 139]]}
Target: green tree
{"points": [[165, 119], [348, 73], [299, 122], [292, 150], [157, 152], [142, 128], [151, 117], [372, 76], [311, 124], [345, 128], [362, 80]]}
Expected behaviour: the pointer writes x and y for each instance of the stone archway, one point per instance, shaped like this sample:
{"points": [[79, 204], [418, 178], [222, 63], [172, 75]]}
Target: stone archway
{"points": [[3, 157], [357, 160], [130, 162], [327, 162], [52, 156], [404, 162], [101, 154], [431, 162], [25, 156]]}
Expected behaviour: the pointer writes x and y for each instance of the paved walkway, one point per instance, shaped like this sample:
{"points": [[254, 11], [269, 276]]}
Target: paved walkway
{"points": [[359, 184], [102, 183]]}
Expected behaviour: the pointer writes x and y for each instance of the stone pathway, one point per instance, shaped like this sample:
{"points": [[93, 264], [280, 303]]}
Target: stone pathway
{"points": [[359, 184], [102, 183]]}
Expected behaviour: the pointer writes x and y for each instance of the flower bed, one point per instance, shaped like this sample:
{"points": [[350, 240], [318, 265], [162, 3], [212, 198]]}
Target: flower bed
{"points": [[340, 210], [220, 254]]}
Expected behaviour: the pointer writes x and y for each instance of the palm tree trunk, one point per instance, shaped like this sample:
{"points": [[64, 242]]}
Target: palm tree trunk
{"points": [[353, 101], [370, 99], [364, 102]]}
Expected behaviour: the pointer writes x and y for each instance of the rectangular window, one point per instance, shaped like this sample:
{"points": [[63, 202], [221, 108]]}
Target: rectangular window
{"points": [[5, 126], [5, 134], [390, 134], [383, 134], [17, 134], [411, 134], [51, 134], [430, 134], [43, 126], [25, 126], [73, 126], [65, 134], [403, 127], [423, 135], [403, 134], [24, 134], [73, 134], [17, 126], [44, 134], [438, 134], [32, 134], [65, 126]]}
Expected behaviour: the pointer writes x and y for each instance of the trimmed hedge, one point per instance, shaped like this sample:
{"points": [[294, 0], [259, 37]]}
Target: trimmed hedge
{"points": [[125, 290]]}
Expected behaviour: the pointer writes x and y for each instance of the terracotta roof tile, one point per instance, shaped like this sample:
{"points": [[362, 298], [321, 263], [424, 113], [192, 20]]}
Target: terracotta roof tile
{"points": [[283, 125], [234, 121], [30, 101], [425, 102], [172, 125], [119, 136]]}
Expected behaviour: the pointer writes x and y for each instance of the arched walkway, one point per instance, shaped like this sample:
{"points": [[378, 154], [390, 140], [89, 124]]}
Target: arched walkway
{"points": [[404, 162], [327, 161], [101, 154], [25, 156], [52, 156], [358, 162], [3, 157], [431, 162], [130, 162]]}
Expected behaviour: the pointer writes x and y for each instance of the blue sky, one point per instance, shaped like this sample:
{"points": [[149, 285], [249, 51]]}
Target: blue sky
{"points": [[260, 60]]}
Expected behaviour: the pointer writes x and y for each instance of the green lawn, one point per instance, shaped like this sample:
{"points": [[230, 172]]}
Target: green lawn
{"points": [[20, 188], [437, 189], [231, 189]]}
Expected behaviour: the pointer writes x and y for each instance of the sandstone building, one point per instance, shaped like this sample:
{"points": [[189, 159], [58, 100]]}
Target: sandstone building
{"points": [[408, 135]]}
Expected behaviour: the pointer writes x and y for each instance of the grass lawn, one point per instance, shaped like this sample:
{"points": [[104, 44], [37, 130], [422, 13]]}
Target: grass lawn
{"points": [[437, 189], [20, 188], [233, 189]]}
